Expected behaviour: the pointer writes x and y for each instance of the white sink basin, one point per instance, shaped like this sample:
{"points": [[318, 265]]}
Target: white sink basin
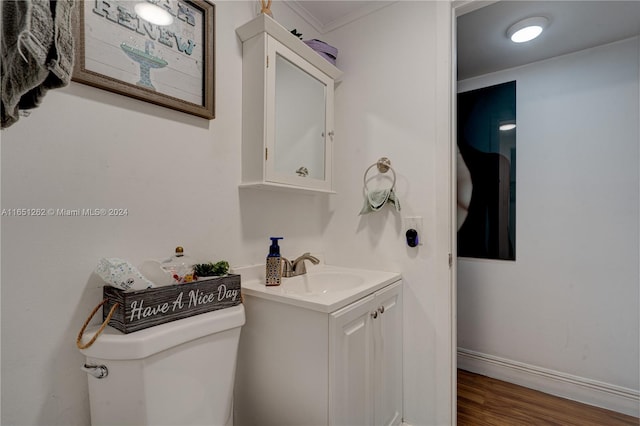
{"points": [[322, 282], [323, 288]]}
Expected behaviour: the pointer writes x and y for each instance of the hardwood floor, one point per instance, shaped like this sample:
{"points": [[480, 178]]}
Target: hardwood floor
{"points": [[486, 401]]}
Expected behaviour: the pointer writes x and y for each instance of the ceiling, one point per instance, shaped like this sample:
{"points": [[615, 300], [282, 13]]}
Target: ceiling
{"points": [[482, 44]]}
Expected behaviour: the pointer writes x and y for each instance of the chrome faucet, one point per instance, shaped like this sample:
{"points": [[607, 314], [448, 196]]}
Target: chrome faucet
{"points": [[297, 267], [287, 268]]}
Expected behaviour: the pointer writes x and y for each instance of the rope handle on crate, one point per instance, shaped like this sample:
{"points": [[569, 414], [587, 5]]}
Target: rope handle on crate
{"points": [[100, 330]]}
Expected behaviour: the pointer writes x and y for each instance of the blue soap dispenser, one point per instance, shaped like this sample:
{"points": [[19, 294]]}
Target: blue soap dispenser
{"points": [[274, 268]]}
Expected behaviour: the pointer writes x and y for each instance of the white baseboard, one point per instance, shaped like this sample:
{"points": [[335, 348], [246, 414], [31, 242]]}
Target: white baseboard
{"points": [[592, 392]]}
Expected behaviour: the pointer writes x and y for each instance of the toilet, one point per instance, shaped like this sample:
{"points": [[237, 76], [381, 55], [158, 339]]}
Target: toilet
{"points": [[177, 373]]}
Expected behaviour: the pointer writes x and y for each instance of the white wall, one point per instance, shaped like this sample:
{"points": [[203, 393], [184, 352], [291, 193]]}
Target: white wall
{"points": [[389, 106], [177, 175], [570, 301]]}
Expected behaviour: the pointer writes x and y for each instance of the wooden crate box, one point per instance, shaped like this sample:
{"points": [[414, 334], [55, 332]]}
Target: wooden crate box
{"points": [[142, 309]]}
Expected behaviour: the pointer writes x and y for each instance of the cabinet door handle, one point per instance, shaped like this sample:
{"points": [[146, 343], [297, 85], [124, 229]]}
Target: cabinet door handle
{"points": [[374, 314], [381, 309]]}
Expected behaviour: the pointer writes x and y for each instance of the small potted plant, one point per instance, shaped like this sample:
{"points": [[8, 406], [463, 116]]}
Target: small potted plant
{"points": [[211, 269]]}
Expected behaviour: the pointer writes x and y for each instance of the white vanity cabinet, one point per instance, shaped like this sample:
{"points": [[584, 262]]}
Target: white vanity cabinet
{"points": [[287, 110], [300, 365], [366, 360]]}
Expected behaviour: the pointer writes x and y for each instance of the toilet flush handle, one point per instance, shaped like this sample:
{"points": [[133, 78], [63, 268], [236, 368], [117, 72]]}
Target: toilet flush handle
{"points": [[97, 371]]}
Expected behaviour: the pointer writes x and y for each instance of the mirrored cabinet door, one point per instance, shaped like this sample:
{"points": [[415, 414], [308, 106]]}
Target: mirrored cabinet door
{"points": [[301, 138], [300, 122]]}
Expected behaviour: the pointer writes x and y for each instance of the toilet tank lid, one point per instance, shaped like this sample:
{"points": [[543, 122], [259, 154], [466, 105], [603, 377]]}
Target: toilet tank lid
{"points": [[115, 345]]}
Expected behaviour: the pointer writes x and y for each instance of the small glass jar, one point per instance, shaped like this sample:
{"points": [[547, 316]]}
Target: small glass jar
{"points": [[180, 266]]}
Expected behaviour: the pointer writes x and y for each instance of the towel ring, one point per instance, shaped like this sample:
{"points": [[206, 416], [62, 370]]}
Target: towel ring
{"points": [[384, 165]]}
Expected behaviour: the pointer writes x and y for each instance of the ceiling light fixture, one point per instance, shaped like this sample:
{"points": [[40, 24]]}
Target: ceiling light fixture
{"points": [[507, 126], [154, 14], [527, 29]]}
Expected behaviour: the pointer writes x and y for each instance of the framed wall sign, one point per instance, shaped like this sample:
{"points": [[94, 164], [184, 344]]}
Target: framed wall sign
{"points": [[170, 65]]}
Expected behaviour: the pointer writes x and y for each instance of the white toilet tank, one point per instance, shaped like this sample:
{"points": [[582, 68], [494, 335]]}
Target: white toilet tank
{"points": [[177, 373]]}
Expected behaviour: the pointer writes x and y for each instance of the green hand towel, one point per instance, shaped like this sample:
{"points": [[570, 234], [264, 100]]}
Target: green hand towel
{"points": [[376, 199]]}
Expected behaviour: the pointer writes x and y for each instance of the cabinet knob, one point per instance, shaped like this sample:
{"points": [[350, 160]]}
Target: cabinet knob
{"points": [[374, 314], [381, 309]]}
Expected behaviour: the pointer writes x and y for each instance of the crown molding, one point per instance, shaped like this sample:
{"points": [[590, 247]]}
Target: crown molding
{"points": [[367, 7]]}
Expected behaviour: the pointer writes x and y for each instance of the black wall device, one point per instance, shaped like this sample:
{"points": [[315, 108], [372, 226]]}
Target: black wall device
{"points": [[412, 238]]}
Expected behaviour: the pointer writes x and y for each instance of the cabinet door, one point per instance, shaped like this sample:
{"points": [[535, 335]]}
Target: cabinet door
{"points": [[299, 120], [387, 328], [365, 363], [351, 364]]}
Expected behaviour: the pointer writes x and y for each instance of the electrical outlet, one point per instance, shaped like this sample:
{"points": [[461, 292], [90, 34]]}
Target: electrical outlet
{"points": [[415, 222]]}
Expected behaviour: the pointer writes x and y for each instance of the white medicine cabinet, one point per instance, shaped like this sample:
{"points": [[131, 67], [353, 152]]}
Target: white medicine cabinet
{"points": [[287, 110]]}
